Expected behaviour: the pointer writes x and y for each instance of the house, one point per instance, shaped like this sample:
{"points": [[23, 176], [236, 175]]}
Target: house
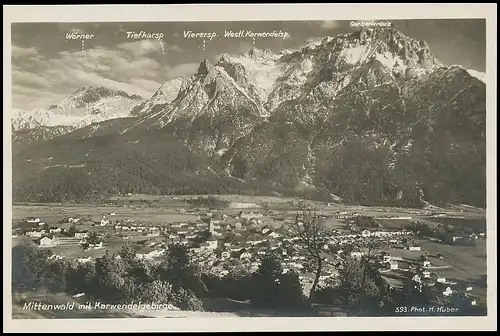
{"points": [[266, 230], [415, 248], [426, 274], [447, 291], [104, 221], [357, 254], [387, 257], [55, 257], [393, 265], [468, 288], [55, 229], [365, 233], [72, 220], [33, 220], [96, 246], [426, 263], [83, 260], [225, 255], [35, 234], [48, 242], [153, 234], [441, 280], [246, 255], [250, 215], [82, 234]]}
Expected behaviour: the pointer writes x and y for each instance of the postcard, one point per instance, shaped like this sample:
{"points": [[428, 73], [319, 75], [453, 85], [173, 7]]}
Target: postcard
{"points": [[250, 167]]}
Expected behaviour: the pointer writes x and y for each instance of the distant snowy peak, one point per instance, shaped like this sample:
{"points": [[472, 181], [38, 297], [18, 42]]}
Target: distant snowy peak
{"points": [[83, 107], [89, 100]]}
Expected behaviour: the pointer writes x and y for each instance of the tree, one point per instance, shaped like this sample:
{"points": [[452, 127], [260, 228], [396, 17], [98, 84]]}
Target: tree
{"points": [[110, 273], [177, 269], [310, 229], [72, 230], [28, 265], [356, 286], [265, 281], [372, 246]]}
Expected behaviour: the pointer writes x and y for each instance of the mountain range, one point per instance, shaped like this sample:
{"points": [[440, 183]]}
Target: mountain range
{"points": [[83, 107], [368, 117]]}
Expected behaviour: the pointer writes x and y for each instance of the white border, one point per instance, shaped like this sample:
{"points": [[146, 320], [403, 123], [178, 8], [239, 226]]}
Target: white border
{"points": [[282, 12]]}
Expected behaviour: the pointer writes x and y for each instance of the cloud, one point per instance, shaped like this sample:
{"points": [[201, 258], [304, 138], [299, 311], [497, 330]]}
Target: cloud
{"points": [[329, 24], [41, 81], [182, 70], [29, 79], [77, 31], [143, 47], [19, 53], [44, 81]]}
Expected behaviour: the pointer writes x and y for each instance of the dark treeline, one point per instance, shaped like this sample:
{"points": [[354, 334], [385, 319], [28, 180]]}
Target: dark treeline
{"points": [[64, 169]]}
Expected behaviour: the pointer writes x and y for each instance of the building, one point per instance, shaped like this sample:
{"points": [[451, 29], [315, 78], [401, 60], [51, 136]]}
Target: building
{"points": [[104, 221], [393, 265], [48, 242], [447, 291], [250, 215], [83, 260], [35, 234], [415, 248], [357, 254], [82, 234], [246, 255], [96, 246]]}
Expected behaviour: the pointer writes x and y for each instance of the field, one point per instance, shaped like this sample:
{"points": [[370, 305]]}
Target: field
{"points": [[461, 264]]}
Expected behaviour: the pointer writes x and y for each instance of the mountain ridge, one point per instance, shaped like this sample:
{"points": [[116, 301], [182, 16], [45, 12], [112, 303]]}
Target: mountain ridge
{"points": [[371, 116]]}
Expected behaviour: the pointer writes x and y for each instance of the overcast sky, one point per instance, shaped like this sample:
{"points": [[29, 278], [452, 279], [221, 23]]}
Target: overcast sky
{"points": [[46, 66]]}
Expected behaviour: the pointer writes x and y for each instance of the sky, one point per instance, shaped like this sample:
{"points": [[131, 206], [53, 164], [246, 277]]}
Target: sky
{"points": [[46, 67]]}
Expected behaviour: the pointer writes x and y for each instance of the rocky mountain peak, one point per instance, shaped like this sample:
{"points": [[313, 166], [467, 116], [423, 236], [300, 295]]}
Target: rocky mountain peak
{"points": [[205, 67]]}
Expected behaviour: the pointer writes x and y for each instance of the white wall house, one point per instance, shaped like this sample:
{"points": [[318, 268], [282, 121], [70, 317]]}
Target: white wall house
{"points": [[81, 235], [47, 242]]}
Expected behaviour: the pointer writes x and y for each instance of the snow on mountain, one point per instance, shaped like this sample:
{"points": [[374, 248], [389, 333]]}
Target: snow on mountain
{"points": [[479, 75], [260, 69], [85, 106], [164, 95]]}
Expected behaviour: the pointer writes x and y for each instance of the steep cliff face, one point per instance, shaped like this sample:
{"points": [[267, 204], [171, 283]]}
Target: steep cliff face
{"points": [[370, 116]]}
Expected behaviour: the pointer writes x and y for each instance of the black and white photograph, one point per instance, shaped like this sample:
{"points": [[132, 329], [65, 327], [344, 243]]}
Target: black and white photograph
{"points": [[249, 168]]}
